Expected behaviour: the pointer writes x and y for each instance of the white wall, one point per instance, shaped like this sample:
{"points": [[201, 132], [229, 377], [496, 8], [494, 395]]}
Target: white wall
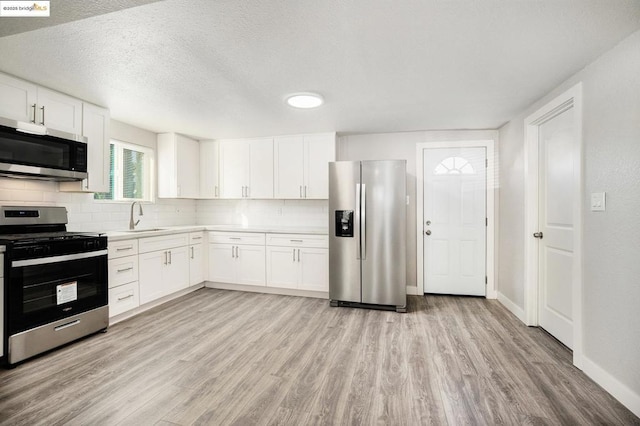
{"points": [[402, 146], [611, 239], [86, 214]]}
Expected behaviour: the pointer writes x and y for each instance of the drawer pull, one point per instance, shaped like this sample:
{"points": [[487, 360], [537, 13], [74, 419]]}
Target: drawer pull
{"points": [[125, 297], [296, 241], [125, 269], [67, 325], [235, 238], [124, 248], [196, 238]]}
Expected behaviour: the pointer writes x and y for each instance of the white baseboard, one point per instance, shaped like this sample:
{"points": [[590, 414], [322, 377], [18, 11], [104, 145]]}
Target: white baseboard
{"points": [[618, 390], [413, 291], [512, 307]]}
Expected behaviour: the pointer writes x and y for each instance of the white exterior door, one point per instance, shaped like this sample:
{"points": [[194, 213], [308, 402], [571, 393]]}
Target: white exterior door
{"points": [[455, 220], [556, 141]]}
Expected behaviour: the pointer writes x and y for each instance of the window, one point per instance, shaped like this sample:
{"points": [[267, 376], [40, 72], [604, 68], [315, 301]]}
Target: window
{"points": [[130, 173], [454, 166]]}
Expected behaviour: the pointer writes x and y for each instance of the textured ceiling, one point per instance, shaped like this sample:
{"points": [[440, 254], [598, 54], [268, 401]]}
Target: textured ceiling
{"points": [[221, 68]]}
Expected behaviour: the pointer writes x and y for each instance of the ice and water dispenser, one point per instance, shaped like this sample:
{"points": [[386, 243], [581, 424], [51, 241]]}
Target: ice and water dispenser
{"points": [[344, 223]]}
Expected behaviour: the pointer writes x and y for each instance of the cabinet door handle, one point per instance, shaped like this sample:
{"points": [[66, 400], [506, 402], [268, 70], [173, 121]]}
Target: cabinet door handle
{"points": [[130, 268], [192, 252], [237, 254], [232, 251], [294, 255], [166, 256], [298, 255], [169, 257], [248, 191], [305, 191], [42, 109], [34, 114]]}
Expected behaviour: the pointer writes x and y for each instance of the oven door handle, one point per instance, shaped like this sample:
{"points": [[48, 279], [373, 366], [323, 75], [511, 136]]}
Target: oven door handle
{"points": [[56, 259]]}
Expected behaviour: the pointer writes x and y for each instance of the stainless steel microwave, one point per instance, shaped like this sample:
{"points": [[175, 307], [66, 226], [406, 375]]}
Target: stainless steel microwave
{"points": [[36, 152]]}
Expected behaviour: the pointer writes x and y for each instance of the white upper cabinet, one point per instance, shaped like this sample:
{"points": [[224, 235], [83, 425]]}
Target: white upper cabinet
{"points": [[58, 111], [178, 166], [26, 102], [95, 127], [209, 167], [301, 165], [17, 99], [246, 168]]}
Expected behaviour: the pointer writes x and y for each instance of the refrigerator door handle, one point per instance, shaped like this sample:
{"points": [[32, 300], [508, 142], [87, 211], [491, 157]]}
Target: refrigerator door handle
{"points": [[358, 227], [363, 221]]}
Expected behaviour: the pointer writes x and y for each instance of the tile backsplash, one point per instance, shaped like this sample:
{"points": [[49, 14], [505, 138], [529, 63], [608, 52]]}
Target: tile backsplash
{"points": [[87, 214], [293, 213]]}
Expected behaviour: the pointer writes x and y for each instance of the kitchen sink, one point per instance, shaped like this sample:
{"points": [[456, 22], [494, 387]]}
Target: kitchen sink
{"points": [[144, 230]]}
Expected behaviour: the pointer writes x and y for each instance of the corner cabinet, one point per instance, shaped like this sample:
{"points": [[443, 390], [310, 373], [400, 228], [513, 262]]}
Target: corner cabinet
{"points": [[246, 168], [297, 261], [95, 127], [196, 258], [209, 169], [301, 165], [164, 265], [178, 166], [237, 258]]}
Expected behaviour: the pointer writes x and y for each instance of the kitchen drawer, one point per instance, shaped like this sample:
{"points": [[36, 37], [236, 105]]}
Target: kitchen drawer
{"points": [[240, 238], [123, 298], [123, 270], [122, 248], [298, 240], [196, 237], [163, 242]]}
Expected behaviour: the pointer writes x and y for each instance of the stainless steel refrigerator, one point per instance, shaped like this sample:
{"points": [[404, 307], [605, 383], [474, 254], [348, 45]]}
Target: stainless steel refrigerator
{"points": [[367, 234]]}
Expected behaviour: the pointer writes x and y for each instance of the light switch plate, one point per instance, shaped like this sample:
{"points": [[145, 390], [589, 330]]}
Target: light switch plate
{"points": [[598, 202]]}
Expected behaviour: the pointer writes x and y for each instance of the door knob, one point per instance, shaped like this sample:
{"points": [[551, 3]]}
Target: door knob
{"points": [[428, 232], [428, 222], [537, 235]]}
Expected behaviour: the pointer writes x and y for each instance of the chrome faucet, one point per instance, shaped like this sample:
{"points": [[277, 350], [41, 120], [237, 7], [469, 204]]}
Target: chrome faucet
{"points": [[133, 224]]}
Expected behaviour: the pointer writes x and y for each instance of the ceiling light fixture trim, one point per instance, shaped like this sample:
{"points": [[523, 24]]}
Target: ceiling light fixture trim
{"points": [[304, 100]]}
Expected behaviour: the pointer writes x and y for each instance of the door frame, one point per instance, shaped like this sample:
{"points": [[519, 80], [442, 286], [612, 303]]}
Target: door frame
{"points": [[572, 98], [491, 185]]}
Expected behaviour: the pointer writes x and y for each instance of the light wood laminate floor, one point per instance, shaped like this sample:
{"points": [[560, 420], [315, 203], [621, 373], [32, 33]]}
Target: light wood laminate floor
{"points": [[222, 357]]}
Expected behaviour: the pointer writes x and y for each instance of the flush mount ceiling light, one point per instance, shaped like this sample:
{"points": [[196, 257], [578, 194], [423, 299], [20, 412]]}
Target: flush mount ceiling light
{"points": [[305, 100]]}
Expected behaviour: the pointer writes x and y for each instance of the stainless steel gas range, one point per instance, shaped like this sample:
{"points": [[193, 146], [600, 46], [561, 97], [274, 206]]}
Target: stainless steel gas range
{"points": [[55, 284]]}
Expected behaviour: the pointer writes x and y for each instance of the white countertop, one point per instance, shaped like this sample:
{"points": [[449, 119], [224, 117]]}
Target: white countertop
{"points": [[168, 230]]}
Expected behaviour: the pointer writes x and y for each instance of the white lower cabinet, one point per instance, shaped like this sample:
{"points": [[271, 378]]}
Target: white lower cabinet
{"points": [[123, 298], [297, 261], [196, 258], [164, 270], [123, 276], [237, 258]]}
